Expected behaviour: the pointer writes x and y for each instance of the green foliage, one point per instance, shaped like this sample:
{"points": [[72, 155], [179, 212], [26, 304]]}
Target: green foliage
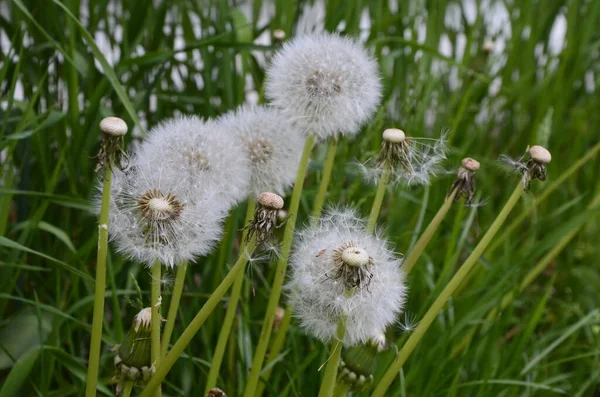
{"points": [[58, 80]]}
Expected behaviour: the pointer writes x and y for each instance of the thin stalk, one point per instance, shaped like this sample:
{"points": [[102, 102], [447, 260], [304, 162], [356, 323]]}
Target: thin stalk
{"points": [[330, 376], [442, 299], [127, 387], [186, 337], [376, 207], [414, 254], [155, 352], [325, 179], [341, 389], [173, 308], [99, 288], [227, 325], [288, 234]]}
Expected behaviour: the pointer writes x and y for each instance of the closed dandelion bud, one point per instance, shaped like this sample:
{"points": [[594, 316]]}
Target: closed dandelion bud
{"points": [[111, 150], [270, 143], [338, 270], [533, 168], [265, 217], [327, 84], [358, 365], [464, 184]]}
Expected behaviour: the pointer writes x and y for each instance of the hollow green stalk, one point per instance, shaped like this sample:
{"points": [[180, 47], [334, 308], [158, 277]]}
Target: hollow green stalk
{"points": [[173, 308], [341, 389], [127, 387], [330, 375], [155, 352], [227, 325], [288, 234], [99, 288], [414, 254], [376, 207], [445, 295], [325, 178], [186, 337]]}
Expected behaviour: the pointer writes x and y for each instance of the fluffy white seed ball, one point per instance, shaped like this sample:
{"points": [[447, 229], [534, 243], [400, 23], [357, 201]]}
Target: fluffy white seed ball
{"points": [[540, 154], [394, 135], [470, 164], [320, 298], [327, 84], [113, 126]]}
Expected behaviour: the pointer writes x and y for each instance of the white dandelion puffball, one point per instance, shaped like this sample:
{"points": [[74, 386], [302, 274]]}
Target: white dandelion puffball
{"points": [[156, 216], [271, 144], [328, 84], [340, 270], [201, 154]]}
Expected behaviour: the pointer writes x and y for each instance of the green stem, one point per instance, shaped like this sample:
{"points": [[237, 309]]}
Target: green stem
{"points": [[415, 253], [156, 319], [330, 376], [227, 325], [288, 234], [325, 179], [173, 307], [445, 295], [341, 389], [177, 350], [99, 288], [376, 207], [127, 387]]}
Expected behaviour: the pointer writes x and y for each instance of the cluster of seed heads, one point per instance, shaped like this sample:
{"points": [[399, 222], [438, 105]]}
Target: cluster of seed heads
{"points": [[265, 217], [352, 266], [464, 184], [111, 150]]}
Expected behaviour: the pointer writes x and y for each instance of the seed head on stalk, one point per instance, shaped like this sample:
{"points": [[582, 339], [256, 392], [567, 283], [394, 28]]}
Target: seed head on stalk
{"points": [[265, 217], [532, 168], [464, 183], [111, 150]]}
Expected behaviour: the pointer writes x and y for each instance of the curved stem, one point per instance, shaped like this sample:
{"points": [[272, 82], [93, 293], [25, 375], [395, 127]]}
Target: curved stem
{"points": [[288, 234], [330, 376], [421, 244], [376, 207], [99, 288], [165, 366], [173, 307], [325, 179], [441, 300], [156, 319], [236, 290]]}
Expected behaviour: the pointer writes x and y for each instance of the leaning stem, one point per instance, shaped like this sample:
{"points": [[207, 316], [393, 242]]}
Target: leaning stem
{"points": [[155, 352], [330, 376], [445, 295], [177, 350], [236, 290], [376, 207], [173, 307], [99, 288], [325, 179], [127, 387], [288, 234], [415, 253]]}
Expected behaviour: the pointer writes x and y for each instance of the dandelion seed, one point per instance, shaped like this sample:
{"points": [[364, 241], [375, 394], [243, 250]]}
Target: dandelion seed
{"points": [[327, 84], [355, 276]]}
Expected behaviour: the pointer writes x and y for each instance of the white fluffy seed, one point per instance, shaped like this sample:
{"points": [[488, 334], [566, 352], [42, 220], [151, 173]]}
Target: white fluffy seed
{"points": [[143, 318], [540, 154], [113, 126], [270, 200], [394, 135], [470, 164], [354, 256]]}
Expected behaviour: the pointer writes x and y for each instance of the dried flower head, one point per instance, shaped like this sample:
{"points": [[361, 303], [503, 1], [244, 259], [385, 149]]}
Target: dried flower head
{"points": [[201, 154], [265, 217], [339, 270], [464, 184], [216, 392], [271, 144], [157, 216], [328, 84], [409, 160], [533, 168], [111, 150]]}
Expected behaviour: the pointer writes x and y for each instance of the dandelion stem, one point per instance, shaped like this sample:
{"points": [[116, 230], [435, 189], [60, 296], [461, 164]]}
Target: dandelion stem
{"points": [[325, 178], [156, 319], [127, 387], [341, 389], [441, 300], [376, 207], [227, 325], [417, 250], [330, 376], [173, 307], [99, 288], [288, 234], [186, 337]]}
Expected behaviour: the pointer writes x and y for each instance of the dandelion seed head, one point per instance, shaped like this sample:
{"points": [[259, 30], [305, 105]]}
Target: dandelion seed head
{"points": [[329, 85], [339, 270], [270, 143]]}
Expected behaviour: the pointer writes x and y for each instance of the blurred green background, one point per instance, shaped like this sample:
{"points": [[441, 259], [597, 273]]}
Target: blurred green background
{"points": [[496, 75]]}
